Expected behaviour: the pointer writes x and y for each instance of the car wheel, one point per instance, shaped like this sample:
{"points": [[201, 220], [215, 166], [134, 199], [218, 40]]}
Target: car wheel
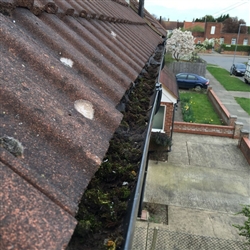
{"points": [[197, 88]]}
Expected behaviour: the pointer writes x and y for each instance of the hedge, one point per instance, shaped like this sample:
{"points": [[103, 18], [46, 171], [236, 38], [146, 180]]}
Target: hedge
{"points": [[231, 47]]}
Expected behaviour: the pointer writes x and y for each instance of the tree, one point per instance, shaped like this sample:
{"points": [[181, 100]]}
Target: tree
{"points": [[210, 18], [206, 18], [181, 44], [231, 25], [221, 18]]}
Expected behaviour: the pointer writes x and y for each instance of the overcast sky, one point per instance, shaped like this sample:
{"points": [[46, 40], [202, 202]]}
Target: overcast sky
{"points": [[188, 9]]}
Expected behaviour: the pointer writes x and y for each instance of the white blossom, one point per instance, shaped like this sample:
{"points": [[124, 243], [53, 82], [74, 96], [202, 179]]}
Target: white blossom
{"points": [[181, 44]]}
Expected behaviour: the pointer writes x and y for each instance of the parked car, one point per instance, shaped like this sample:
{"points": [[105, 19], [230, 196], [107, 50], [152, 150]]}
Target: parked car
{"points": [[190, 80], [238, 69]]}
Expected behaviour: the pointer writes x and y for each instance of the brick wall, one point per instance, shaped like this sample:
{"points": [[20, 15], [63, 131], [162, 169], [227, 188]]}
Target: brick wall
{"points": [[231, 128], [245, 148], [204, 129], [244, 145], [228, 37], [219, 34], [220, 108], [169, 117]]}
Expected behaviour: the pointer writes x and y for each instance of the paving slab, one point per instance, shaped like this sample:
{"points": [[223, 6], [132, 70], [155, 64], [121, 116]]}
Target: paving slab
{"points": [[197, 187], [206, 223], [204, 183]]}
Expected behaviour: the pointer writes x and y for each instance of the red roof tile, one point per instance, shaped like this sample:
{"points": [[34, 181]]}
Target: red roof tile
{"points": [[64, 67], [154, 24], [190, 25], [167, 78], [171, 25]]}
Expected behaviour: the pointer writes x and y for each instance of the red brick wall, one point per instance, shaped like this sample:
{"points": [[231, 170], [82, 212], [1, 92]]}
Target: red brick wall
{"points": [[245, 148], [204, 129], [219, 107], [228, 37], [218, 34], [169, 117]]}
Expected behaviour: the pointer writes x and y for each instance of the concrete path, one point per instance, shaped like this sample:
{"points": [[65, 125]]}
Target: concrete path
{"points": [[203, 183]]}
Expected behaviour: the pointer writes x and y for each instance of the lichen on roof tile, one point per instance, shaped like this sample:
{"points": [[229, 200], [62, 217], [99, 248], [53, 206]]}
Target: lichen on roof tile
{"points": [[63, 147]]}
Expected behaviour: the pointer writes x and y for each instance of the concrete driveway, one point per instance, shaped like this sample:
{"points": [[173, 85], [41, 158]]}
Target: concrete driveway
{"points": [[203, 183]]}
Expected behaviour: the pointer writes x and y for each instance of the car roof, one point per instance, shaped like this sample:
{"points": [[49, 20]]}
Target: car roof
{"points": [[186, 73]]}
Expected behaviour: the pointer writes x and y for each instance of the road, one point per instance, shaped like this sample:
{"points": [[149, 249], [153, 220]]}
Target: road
{"points": [[224, 61]]}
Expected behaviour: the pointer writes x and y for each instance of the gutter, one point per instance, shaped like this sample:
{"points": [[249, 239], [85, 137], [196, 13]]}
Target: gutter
{"points": [[144, 160]]}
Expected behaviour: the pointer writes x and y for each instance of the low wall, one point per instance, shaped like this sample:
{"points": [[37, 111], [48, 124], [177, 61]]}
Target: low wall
{"points": [[204, 129], [220, 108], [238, 53], [244, 145], [231, 128]]}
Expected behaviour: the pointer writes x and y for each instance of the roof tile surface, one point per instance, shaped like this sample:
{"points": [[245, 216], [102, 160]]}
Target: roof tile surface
{"points": [[65, 66], [167, 78]]}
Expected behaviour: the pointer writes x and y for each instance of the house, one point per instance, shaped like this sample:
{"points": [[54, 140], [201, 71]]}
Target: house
{"points": [[171, 25], [170, 97], [65, 66], [214, 30]]}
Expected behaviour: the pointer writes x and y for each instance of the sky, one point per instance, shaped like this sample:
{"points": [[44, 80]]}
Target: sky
{"points": [[187, 10]]}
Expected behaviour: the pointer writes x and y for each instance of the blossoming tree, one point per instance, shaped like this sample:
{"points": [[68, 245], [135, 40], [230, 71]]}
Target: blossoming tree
{"points": [[181, 44]]}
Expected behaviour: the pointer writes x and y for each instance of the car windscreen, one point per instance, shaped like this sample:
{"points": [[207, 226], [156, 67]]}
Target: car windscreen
{"points": [[203, 78], [241, 66]]}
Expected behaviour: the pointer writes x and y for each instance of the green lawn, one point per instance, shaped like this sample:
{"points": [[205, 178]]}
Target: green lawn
{"points": [[197, 108], [169, 58], [244, 103], [229, 82]]}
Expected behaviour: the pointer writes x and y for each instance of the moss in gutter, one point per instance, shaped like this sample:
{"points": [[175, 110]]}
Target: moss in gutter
{"points": [[105, 202]]}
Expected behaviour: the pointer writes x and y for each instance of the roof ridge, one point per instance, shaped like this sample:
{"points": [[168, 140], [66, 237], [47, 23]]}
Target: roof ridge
{"points": [[61, 10]]}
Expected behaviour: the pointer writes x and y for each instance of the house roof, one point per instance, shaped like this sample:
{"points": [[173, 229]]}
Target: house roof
{"points": [[168, 81], [190, 25], [64, 67], [171, 25], [151, 21]]}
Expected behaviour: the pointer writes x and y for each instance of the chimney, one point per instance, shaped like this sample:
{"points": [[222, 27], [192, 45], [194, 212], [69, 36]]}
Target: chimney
{"points": [[141, 8], [160, 20]]}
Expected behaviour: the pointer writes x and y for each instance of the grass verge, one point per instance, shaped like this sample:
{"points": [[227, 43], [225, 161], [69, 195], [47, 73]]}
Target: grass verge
{"points": [[229, 82], [196, 108], [244, 103]]}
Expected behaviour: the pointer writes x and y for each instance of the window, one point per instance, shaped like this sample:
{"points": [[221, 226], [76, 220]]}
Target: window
{"points": [[245, 41], [212, 30], [190, 77], [221, 40], [233, 41], [199, 42], [182, 76], [158, 122]]}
